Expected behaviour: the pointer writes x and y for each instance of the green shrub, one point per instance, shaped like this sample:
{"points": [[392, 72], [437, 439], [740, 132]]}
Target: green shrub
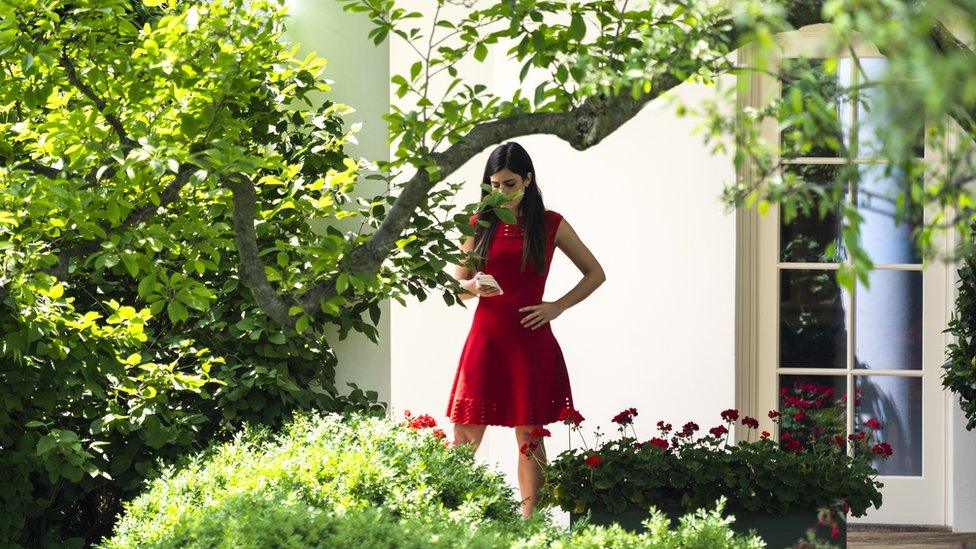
{"points": [[959, 369], [356, 480], [330, 462], [127, 334]]}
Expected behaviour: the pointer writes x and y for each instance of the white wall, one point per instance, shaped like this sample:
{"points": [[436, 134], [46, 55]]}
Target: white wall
{"points": [[962, 470], [658, 335]]}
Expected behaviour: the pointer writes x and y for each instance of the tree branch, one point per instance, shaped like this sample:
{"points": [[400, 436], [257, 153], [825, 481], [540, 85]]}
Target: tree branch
{"points": [[250, 264], [40, 169], [582, 127], [950, 45], [72, 73], [138, 215]]}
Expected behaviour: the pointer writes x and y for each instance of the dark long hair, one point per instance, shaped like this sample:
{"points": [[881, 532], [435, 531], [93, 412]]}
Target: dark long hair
{"points": [[510, 155]]}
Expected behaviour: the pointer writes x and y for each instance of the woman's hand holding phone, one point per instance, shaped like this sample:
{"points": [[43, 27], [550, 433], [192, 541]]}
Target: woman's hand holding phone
{"points": [[485, 290]]}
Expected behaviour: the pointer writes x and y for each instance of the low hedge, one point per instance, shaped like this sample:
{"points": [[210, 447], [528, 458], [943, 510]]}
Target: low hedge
{"points": [[355, 480]]}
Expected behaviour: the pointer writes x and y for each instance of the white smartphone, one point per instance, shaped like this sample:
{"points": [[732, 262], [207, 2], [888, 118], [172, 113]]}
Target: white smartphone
{"points": [[485, 279]]}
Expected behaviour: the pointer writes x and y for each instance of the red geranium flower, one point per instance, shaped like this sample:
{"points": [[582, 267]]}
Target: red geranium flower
{"points": [[750, 422], [539, 433], [857, 436], [664, 427], [439, 433], [594, 460], [421, 421], [730, 415], [800, 416], [687, 429], [627, 416], [527, 447], [718, 431], [839, 440], [794, 444], [773, 414], [874, 424], [882, 449], [765, 434], [659, 442], [569, 415]]}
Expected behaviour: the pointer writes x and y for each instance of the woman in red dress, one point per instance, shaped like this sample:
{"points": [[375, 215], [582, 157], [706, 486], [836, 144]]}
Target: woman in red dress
{"points": [[512, 371]]}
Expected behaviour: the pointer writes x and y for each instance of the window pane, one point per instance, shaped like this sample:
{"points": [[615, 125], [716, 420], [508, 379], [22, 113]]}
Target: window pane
{"points": [[883, 239], [813, 333], [806, 237], [811, 101], [889, 321], [897, 403], [812, 406], [876, 113]]}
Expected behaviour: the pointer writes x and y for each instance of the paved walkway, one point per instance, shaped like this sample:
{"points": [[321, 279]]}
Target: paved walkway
{"points": [[864, 539]]}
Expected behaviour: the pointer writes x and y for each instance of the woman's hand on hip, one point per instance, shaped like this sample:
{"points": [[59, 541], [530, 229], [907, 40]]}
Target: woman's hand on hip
{"points": [[539, 314]]}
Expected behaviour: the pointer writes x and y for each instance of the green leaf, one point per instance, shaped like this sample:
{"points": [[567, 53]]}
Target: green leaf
{"points": [[176, 311], [189, 126], [480, 51], [505, 214], [45, 444], [577, 27], [540, 90], [131, 265], [525, 70], [156, 306]]}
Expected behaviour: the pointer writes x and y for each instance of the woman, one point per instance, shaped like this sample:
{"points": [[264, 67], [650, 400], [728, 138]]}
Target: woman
{"points": [[511, 371]]}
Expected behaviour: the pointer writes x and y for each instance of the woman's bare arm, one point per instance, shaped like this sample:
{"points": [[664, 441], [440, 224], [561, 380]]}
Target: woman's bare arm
{"points": [[569, 242], [467, 279]]}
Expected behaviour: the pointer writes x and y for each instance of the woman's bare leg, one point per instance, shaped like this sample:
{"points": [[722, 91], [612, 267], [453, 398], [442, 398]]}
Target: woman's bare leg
{"points": [[529, 473], [468, 433]]}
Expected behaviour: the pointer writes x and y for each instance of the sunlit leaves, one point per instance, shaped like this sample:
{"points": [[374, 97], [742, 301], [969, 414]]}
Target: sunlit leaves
{"points": [[111, 349]]}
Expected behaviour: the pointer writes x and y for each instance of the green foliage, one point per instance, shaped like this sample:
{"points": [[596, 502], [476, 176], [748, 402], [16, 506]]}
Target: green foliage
{"points": [[701, 528], [926, 89], [584, 49], [126, 333], [324, 461], [353, 480], [959, 369]]}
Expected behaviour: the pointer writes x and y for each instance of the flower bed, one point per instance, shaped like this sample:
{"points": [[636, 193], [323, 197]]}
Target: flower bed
{"points": [[808, 471]]}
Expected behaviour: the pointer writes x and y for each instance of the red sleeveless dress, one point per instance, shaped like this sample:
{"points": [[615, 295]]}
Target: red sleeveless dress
{"points": [[509, 374]]}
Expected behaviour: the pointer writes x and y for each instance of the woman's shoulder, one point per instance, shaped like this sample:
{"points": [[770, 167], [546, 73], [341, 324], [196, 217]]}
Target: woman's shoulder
{"points": [[553, 216]]}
